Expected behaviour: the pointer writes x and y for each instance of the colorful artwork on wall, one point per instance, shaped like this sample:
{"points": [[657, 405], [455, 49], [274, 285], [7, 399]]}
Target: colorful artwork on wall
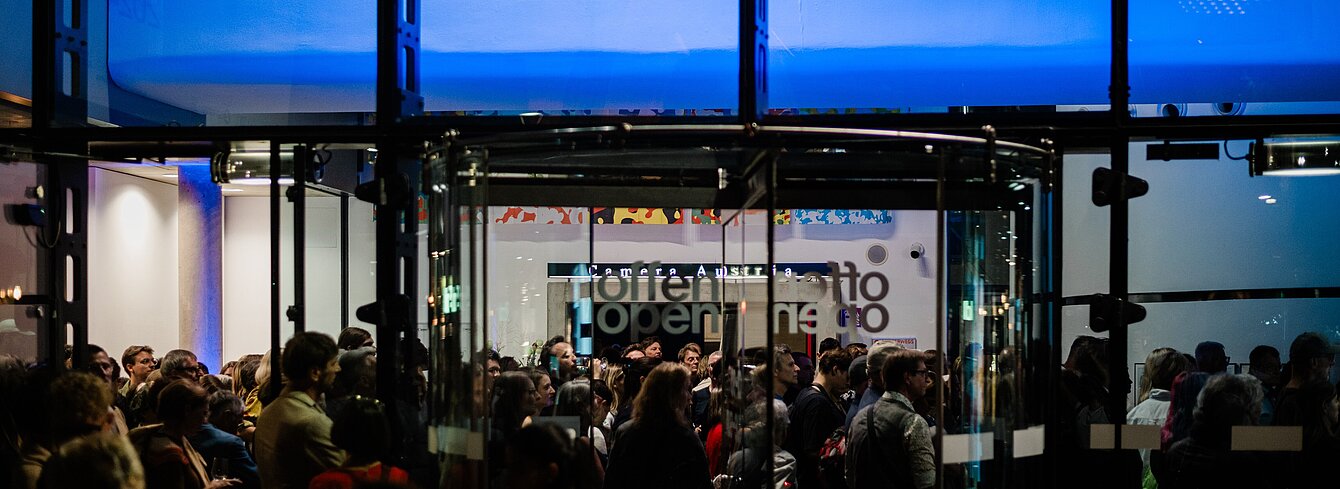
{"points": [[670, 215]]}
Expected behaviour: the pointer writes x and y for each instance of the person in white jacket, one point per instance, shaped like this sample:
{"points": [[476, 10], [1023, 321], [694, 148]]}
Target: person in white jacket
{"points": [[1161, 367]]}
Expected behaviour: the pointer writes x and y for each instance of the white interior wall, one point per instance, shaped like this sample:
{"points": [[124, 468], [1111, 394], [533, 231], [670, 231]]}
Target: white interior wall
{"points": [[520, 252], [132, 262], [246, 263]]}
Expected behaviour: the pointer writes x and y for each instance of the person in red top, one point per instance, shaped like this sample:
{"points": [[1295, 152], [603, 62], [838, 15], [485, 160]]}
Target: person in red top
{"points": [[361, 430]]}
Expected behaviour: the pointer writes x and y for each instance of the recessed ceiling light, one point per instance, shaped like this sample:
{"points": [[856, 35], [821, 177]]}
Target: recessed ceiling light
{"points": [[1263, 197], [1271, 201]]}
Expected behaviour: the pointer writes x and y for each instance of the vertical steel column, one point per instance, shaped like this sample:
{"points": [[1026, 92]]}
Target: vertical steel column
{"points": [[398, 95], [344, 260], [1054, 313], [297, 194], [60, 92], [753, 60], [64, 262], [1119, 378], [770, 196], [394, 190], [60, 63], [276, 341], [941, 291]]}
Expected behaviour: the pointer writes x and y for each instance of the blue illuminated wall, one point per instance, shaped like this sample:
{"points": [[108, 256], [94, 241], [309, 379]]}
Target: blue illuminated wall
{"points": [[607, 55]]}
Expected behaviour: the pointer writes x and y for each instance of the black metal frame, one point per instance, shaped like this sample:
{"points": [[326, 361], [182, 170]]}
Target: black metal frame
{"points": [[60, 128]]}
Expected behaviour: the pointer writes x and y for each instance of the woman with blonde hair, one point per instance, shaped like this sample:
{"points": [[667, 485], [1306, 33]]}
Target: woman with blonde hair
{"points": [[1162, 366], [656, 448]]}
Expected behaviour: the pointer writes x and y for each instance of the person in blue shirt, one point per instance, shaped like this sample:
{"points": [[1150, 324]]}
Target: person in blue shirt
{"points": [[216, 439]]}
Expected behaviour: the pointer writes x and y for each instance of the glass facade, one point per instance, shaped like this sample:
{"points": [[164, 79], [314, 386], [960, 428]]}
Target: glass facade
{"points": [[16, 51], [875, 57], [601, 58], [1217, 58], [19, 269], [760, 289], [238, 63], [742, 245]]}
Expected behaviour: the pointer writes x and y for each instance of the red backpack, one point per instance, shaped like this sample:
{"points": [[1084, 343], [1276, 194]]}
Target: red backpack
{"points": [[832, 460]]}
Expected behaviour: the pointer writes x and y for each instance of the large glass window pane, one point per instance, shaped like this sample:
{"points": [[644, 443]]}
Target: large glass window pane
{"points": [[924, 56], [1087, 228], [16, 48], [234, 63], [1233, 57], [1240, 325], [606, 57], [18, 268], [1210, 225]]}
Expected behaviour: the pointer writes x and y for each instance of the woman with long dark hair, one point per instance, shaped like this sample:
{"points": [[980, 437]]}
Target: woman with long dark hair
{"points": [[657, 448], [513, 402]]}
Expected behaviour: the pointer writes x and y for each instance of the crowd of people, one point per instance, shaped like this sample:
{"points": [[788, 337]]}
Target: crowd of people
{"points": [[169, 423], [638, 417], [1196, 402], [852, 416]]}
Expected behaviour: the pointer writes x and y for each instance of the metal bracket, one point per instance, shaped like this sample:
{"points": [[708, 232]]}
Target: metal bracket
{"points": [[1105, 311], [1105, 186], [397, 311], [393, 192], [294, 313]]}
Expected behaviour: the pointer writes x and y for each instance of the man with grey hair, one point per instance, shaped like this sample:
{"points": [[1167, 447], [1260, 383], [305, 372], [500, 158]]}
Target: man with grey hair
{"points": [[1206, 458], [874, 365], [357, 377], [750, 462], [181, 364]]}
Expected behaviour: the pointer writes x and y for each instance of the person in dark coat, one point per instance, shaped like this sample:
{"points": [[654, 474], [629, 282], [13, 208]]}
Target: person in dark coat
{"points": [[1204, 459], [817, 412], [656, 448]]}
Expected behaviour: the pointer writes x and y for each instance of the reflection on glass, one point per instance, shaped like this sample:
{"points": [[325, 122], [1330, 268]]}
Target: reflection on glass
{"points": [[880, 57], [605, 57], [1233, 58]]}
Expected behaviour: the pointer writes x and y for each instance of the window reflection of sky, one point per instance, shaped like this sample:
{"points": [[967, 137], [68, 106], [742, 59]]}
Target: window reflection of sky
{"points": [[305, 55]]}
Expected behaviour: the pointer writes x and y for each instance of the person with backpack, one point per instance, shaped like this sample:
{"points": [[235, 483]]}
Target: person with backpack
{"points": [[815, 416], [889, 444]]}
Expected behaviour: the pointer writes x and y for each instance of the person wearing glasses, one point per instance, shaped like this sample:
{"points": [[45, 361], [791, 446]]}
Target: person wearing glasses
{"points": [[181, 364], [139, 363], [889, 444]]}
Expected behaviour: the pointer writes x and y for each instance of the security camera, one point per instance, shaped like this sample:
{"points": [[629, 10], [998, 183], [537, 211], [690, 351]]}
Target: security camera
{"points": [[916, 251]]}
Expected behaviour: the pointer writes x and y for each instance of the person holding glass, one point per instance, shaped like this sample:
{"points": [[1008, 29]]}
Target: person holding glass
{"points": [[169, 460]]}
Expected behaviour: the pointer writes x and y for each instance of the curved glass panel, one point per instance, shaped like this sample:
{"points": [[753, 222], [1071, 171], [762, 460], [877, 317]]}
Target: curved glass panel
{"points": [[1233, 57], [923, 56], [856, 256], [606, 57]]}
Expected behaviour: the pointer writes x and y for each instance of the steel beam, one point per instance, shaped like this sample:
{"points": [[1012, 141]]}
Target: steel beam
{"points": [[753, 60]]}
